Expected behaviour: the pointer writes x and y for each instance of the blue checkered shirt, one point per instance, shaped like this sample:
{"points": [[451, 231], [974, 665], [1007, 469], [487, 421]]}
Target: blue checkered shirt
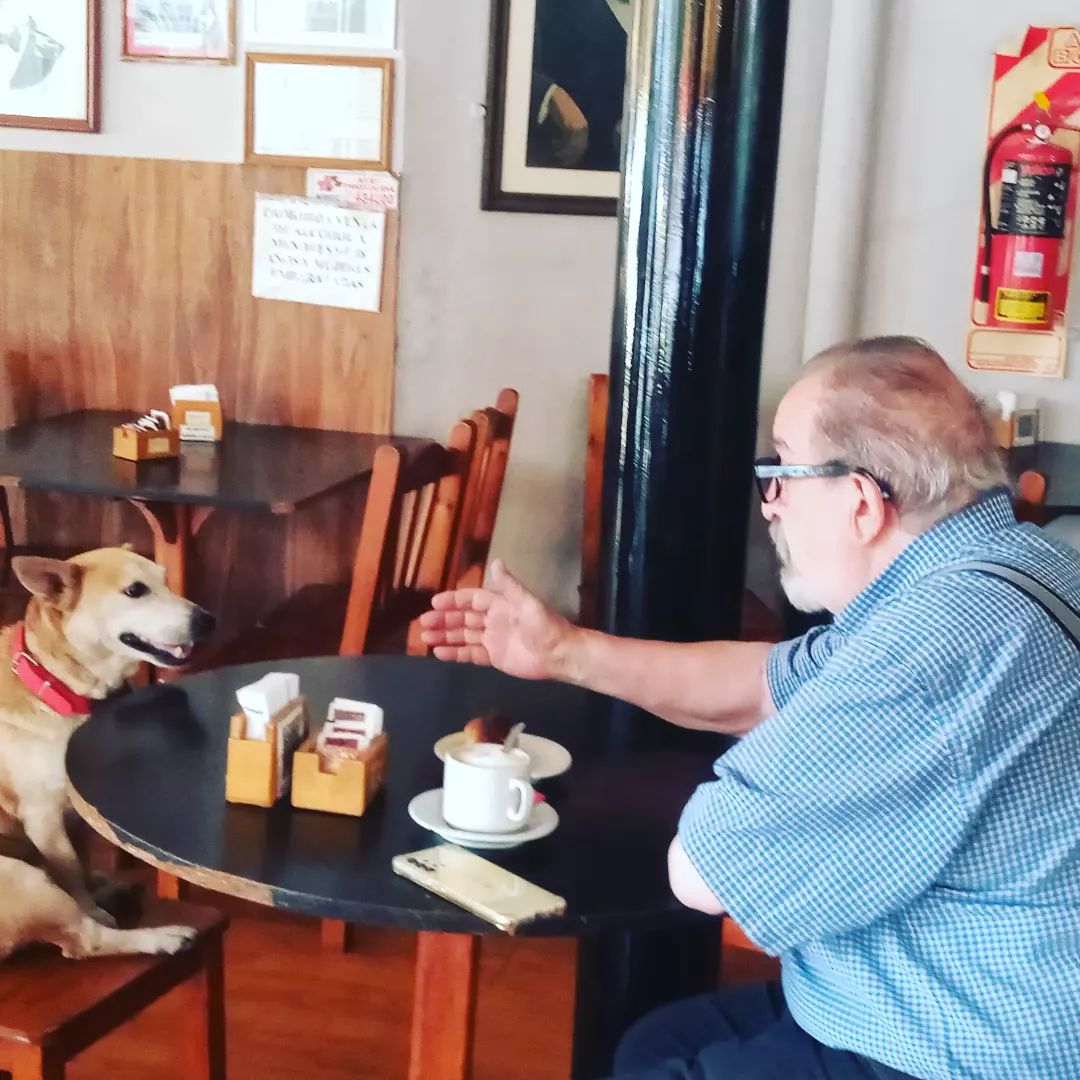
{"points": [[905, 831]]}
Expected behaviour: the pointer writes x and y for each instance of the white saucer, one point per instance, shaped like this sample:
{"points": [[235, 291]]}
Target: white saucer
{"points": [[426, 811], [547, 758]]}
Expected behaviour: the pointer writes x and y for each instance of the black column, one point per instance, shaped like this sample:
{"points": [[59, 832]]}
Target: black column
{"points": [[702, 130]]}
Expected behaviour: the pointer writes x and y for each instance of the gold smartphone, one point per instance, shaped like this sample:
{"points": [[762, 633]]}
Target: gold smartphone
{"points": [[479, 886]]}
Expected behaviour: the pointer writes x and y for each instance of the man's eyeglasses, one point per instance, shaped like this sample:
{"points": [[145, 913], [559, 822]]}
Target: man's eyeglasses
{"points": [[768, 473]]}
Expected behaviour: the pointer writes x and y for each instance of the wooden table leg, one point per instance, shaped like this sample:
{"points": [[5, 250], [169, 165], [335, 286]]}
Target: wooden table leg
{"points": [[170, 524], [444, 1006], [173, 526], [35, 1063], [204, 1039]]}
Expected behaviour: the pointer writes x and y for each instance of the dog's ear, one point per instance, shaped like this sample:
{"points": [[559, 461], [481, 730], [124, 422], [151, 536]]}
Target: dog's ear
{"points": [[53, 580], [127, 546]]}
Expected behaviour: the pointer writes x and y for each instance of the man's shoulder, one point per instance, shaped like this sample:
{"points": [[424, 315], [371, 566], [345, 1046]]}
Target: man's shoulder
{"points": [[953, 611]]}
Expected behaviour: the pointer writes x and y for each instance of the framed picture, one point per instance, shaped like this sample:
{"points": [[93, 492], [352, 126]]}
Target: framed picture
{"points": [[179, 30], [50, 52], [556, 83], [320, 24], [321, 111]]}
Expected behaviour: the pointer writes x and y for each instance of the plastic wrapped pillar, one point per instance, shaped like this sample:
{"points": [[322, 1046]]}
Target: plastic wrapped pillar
{"points": [[702, 126]]}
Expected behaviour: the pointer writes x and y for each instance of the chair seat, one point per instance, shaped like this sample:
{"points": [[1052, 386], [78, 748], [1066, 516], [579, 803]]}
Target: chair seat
{"points": [[44, 996]]}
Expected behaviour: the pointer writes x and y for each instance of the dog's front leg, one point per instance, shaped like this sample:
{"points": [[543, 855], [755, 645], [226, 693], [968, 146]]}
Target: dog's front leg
{"points": [[45, 830]]}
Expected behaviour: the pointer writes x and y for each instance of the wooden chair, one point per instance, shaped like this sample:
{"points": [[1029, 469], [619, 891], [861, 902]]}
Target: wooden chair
{"points": [[494, 430], [52, 1009], [1030, 500], [407, 536], [589, 589], [742, 961]]}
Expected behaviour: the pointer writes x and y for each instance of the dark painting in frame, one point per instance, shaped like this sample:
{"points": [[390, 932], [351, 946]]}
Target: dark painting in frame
{"points": [[556, 86]]}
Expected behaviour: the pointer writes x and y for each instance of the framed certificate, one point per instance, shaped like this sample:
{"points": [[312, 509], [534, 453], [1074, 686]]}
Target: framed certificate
{"points": [[179, 30], [329, 111], [327, 24]]}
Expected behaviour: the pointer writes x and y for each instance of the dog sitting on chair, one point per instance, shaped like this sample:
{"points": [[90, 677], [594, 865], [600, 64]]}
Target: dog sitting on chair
{"points": [[90, 622]]}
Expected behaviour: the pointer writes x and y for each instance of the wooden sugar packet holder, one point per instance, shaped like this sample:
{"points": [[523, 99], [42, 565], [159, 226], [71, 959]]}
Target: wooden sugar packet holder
{"points": [[342, 786], [135, 444], [258, 771]]}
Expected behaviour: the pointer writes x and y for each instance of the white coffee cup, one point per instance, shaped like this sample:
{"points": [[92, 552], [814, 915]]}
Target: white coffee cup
{"points": [[485, 788]]}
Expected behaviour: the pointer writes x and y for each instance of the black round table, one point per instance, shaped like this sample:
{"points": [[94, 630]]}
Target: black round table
{"points": [[148, 771]]}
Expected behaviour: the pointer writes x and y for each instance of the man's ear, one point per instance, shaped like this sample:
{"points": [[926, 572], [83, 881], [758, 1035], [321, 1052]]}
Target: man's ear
{"points": [[52, 580], [871, 512]]}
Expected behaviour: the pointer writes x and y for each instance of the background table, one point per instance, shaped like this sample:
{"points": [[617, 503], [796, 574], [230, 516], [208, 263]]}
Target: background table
{"points": [[148, 771], [259, 467]]}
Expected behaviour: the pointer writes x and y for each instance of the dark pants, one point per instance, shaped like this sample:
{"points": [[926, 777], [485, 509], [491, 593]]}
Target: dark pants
{"points": [[745, 1033]]}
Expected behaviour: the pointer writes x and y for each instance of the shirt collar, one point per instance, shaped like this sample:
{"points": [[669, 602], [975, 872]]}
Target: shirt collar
{"points": [[930, 550]]}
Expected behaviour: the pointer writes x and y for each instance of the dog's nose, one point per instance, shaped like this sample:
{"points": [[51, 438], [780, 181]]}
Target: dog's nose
{"points": [[202, 624]]}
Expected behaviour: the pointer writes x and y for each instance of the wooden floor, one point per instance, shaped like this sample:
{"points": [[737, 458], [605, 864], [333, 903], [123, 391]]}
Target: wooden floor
{"points": [[295, 1010]]}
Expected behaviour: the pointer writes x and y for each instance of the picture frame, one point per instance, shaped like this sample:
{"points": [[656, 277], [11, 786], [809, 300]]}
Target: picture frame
{"points": [[319, 111], [555, 97], [185, 30], [50, 65], [310, 24]]}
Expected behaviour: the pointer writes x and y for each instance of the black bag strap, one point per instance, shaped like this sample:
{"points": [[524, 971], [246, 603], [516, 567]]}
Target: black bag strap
{"points": [[1062, 613]]}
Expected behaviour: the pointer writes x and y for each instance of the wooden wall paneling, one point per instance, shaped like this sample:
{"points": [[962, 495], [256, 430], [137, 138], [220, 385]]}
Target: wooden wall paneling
{"points": [[123, 277]]}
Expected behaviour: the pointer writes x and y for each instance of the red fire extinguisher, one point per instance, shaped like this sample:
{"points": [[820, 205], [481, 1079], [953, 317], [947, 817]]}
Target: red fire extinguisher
{"points": [[1020, 281]]}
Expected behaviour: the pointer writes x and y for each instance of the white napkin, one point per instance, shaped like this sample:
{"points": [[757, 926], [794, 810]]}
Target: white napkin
{"points": [[193, 392], [260, 700]]}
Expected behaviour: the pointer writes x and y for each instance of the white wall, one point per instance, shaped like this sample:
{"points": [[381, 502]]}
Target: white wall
{"points": [[495, 299], [189, 111], [486, 299], [920, 254]]}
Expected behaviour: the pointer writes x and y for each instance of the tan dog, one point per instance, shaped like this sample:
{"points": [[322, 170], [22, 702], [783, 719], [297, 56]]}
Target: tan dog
{"points": [[90, 622]]}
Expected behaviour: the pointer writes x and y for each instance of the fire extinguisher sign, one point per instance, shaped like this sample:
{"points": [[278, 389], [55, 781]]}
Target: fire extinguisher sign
{"points": [[1029, 193]]}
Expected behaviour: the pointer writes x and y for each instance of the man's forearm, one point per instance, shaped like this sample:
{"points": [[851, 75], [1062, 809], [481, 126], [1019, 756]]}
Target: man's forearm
{"points": [[710, 685]]}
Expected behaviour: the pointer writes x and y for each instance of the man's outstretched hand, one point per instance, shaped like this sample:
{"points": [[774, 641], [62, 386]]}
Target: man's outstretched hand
{"points": [[503, 625]]}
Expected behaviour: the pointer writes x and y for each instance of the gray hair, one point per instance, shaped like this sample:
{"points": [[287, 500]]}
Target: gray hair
{"points": [[893, 407]]}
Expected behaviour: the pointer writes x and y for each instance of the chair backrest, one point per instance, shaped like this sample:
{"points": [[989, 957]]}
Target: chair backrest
{"points": [[494, 430], [409, 529], [589, 589], [758, 621], [1031, 497]]}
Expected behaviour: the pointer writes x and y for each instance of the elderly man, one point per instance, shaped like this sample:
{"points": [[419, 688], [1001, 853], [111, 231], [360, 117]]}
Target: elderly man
{"points": [[901, 821]]}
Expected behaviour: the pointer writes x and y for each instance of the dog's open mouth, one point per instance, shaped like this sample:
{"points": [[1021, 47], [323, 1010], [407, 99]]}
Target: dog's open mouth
{"points": [[159, 651]]}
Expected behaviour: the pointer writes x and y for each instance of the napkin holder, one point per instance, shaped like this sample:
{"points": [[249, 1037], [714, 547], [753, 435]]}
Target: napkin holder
{"points": [[136, 444], [258, 771], [198, 421], [344, 786]]}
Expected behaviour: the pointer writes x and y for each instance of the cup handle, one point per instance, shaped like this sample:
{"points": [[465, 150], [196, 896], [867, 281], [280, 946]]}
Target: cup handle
{"points": [[525, 790]]}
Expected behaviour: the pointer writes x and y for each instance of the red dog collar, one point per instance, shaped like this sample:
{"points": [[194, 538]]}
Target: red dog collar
{"points": [[36, 678]]}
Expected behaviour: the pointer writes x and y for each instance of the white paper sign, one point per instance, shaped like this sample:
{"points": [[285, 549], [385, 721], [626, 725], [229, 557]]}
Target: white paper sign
{"points": [[364, 190], [312, 252]]}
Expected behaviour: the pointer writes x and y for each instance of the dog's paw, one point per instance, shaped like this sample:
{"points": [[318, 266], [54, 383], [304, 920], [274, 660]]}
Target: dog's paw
{"points": [[170, 939]]}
